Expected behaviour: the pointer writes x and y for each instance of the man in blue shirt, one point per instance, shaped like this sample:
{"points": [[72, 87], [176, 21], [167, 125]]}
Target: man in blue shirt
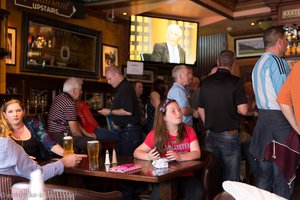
{"points": [[268, 75], [182, 76]]}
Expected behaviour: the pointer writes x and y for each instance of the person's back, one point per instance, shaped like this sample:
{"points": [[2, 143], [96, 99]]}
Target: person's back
{"points": [[61, 111], [222, 98], [219, 92], [87, 119]]}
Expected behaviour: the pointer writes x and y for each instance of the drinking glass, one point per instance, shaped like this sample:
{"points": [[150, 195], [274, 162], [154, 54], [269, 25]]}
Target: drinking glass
{"points": [[93, 154], [68, 145]]}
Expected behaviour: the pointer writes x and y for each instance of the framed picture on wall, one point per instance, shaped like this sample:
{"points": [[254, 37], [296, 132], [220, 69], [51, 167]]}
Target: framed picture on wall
{"points": [[147, 77], [249, 47], [11, 46], [109, 57]]}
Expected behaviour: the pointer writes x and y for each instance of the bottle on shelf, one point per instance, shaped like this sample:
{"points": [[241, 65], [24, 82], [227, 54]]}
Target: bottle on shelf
{"points": [[294, 49], [28, 106], [288, 50], [298, 48]]}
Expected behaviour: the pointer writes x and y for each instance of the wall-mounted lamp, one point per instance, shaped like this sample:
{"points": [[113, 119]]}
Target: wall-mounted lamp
{"points": [[3, 33]]}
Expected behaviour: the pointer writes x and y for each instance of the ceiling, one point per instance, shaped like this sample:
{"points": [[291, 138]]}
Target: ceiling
{"points": [[213, 16]]}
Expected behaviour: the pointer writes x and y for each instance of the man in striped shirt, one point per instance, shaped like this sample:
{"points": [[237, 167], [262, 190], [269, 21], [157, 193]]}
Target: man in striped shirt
{"points": [[268, 76], [62, 117]]}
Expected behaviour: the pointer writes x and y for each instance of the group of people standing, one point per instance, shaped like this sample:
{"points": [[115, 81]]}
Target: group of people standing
{"points": [[219, 104]]}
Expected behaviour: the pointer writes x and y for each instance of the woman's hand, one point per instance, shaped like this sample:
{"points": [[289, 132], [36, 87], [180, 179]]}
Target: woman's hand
{"points": [[173, 155], [153, 154]]}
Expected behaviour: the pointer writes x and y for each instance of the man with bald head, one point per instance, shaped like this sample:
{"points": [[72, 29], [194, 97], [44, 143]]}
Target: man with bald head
{"points": [[125, 112]]}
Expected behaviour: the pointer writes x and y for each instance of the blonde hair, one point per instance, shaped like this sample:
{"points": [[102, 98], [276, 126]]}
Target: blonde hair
{"points": [[7, 125], [5, 130]]}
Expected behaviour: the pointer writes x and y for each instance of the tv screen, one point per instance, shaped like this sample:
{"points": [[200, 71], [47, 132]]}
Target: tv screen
{"points": [[163, 40]]}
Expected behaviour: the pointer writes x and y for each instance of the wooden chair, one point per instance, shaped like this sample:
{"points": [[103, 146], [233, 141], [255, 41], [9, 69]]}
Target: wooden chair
{"points": [[210, 175], [6, 183], [224, 196], [20, 191]]}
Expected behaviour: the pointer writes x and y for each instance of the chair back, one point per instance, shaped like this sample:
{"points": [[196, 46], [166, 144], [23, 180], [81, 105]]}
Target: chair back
{"points": [[20, 191], [6, 182], [146, 56], [211, 175], [224, 196]]}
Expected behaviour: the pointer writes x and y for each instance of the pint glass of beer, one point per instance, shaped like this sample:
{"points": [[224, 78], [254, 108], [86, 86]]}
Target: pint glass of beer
{"points": [[68, 145], [93, 154]]}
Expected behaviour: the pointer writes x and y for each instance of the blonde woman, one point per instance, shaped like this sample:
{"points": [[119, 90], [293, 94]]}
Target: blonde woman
{"points": [[29, 132], [15, 161]]}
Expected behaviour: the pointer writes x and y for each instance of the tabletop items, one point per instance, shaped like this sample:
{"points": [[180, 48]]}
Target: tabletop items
{"points": [[107, 159], [114, 157], [36, 186], [126, 168], [160, 163], [93, 154]]}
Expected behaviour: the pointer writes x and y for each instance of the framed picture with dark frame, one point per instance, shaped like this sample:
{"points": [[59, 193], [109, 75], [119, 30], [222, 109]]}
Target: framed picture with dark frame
{"points": [[56, 47], [11, 46], [109, 57], [147, 77], [249, 47]]}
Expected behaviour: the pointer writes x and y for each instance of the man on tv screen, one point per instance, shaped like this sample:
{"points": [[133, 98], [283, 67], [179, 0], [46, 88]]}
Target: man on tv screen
{"points": [[170, 51]]}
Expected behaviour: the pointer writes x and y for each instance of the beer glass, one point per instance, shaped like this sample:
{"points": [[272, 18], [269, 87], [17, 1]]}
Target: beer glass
{"points": [[68, 145], [93, 154]]}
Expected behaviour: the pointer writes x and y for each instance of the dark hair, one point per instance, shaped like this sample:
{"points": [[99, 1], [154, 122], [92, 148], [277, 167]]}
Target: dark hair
{"points": [[226, 58], [161, 135], [159, 87], [272, 34]]}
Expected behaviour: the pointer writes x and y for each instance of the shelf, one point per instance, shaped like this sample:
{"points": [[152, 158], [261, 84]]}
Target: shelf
{"points": [[293, 57]]}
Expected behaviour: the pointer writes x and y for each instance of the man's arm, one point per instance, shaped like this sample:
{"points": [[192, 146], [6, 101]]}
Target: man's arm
{"points": [[201, 112], [242, 109], [119, 112], [93, 135], [74, 128], [189, 111], [289, 114]]}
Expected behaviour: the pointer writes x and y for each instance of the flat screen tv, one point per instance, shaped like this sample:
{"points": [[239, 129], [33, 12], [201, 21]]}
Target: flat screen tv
{"points": [[161, 40]]}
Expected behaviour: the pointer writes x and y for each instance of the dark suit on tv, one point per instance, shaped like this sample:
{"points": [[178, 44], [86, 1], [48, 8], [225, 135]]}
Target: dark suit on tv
{"points": [[161, 53]]}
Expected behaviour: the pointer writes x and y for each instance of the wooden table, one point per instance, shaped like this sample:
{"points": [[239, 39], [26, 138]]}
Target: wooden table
{"points": [[166, 177]]}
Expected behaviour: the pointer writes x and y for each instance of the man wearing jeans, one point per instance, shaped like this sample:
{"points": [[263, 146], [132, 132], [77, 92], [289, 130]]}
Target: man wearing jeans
{"points": [[126, 115], [222, 98], [125, 112], [268, 75]]}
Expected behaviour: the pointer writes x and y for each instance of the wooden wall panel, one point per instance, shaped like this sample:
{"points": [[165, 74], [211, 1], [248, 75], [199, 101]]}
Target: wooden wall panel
{"points": [[209, 46]]}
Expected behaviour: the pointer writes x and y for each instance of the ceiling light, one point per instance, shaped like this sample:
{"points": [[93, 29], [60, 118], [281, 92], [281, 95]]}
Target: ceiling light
{"points": [[124, 13], [252, 23]]}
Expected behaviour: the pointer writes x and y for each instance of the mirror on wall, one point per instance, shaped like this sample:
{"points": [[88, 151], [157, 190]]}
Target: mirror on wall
{"points": [[55, 47]]}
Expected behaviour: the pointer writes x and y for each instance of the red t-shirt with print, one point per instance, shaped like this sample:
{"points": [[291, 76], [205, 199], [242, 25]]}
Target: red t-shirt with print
{"points": [[182, 147]]}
